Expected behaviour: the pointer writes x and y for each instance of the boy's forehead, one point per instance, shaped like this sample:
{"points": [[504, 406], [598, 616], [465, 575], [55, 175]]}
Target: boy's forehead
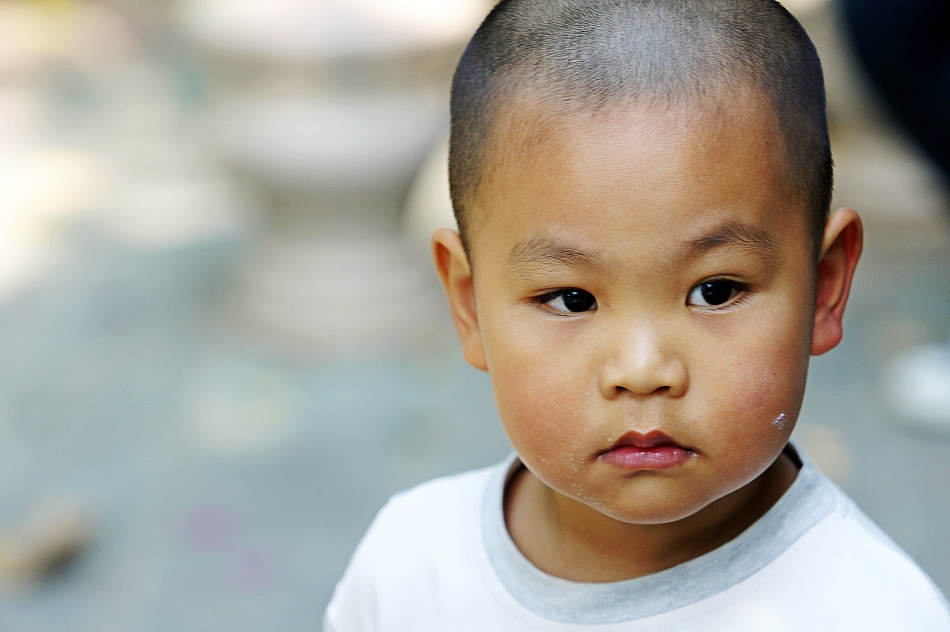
{"points": [[529, 128], [554, 164]]}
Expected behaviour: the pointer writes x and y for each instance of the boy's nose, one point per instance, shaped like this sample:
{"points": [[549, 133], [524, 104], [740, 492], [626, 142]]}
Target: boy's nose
{"points": [[640, 364]]}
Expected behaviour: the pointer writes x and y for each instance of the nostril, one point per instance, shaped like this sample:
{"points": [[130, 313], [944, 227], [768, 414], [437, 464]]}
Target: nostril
{"points": [[660, 390]]}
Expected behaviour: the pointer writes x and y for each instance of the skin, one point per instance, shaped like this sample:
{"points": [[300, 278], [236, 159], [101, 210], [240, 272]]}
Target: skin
{"points": [[638, 205]]}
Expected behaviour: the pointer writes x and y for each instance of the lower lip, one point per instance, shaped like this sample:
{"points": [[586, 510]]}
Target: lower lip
{"points": [[660, 457]]}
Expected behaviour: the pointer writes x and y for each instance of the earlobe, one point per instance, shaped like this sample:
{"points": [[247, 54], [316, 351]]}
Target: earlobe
{"points": [[840, 251], [455, 272]]}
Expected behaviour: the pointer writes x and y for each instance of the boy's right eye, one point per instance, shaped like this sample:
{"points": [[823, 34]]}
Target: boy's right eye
{"points": [[569, 300]]}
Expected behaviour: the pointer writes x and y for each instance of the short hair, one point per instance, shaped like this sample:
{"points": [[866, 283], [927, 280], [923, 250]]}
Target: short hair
{"points": [[588, 54]]}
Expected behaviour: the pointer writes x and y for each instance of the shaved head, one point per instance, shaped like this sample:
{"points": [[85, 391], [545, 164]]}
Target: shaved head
{"points": [[577, 56]]}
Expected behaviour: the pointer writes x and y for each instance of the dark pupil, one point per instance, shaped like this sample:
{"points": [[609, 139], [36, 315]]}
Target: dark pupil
{"points": [[578, 300], [716, 292]]}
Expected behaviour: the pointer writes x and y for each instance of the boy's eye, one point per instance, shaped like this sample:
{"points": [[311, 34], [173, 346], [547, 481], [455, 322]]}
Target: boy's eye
{"points": [[570, 300], [714, 293]]}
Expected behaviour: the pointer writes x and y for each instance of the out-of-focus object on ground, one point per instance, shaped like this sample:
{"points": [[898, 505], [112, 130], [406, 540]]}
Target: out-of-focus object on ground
{"points": [[917, 384], [47, 542], [325, 109]]}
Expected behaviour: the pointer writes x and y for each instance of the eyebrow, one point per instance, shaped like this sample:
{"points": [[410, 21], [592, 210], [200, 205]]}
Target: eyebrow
{"points": [[753, 239], [541, 252]]}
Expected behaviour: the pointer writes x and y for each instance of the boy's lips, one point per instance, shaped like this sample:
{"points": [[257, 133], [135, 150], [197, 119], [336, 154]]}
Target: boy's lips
{"points": [[651, 451]]}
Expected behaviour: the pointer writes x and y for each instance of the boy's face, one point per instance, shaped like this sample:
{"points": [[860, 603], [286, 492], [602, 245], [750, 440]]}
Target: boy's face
{"points": [[644, 300]]}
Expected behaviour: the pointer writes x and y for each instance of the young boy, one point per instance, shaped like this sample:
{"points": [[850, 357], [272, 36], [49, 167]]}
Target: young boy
{"points": [[645, 263]]}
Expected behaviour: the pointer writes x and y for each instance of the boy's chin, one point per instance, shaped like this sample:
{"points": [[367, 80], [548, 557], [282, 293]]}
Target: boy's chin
{"points": [[655, 508], [659, 513]]}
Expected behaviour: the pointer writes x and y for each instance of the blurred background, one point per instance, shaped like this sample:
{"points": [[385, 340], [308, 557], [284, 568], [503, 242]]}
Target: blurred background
{"points": [[222, 346]]}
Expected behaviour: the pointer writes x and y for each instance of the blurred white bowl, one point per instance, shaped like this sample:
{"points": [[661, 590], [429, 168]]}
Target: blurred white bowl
{"points": [[331, 141], [329, 29]]}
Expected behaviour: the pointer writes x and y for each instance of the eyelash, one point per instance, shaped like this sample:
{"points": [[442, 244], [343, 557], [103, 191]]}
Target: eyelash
{"points": [[547, 297], [742, 291]]}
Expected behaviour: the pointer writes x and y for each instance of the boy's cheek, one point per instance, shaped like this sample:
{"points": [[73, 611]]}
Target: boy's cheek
{"points": [[754, 399], [548, 409], [537, 401]]}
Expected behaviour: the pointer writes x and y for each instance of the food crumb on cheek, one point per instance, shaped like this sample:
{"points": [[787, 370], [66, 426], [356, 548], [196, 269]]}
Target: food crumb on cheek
{"points": [[780, 421]]}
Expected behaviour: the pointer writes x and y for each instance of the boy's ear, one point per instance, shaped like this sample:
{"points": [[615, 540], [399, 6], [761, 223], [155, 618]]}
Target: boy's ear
{"points": [[454, 270], [840, 251]]}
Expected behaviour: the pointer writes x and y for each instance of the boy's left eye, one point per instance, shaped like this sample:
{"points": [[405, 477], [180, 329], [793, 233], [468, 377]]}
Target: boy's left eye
{"points": [[570, 300], [714, 293]]}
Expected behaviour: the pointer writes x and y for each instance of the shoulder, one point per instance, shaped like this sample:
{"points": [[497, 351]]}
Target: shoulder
{"points": [[439, 508], [841, 574], [873, 584], [449, 491], [418, 545], [414, 521]]}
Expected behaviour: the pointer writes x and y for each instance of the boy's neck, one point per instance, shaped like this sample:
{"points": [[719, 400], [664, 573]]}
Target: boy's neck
{"points": [[568, 539]]}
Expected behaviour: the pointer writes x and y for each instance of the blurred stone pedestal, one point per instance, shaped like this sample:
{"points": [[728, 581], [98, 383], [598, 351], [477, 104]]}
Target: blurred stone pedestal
{"points": [[328, 271], [325, 109]]}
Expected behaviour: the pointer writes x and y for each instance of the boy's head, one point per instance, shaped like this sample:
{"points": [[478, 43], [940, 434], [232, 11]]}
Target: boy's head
{"points": [[576, 57], [643, 186]]}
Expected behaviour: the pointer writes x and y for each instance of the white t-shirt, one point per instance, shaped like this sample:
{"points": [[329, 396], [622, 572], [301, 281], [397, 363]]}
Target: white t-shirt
{"points": [[439, 558]]}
